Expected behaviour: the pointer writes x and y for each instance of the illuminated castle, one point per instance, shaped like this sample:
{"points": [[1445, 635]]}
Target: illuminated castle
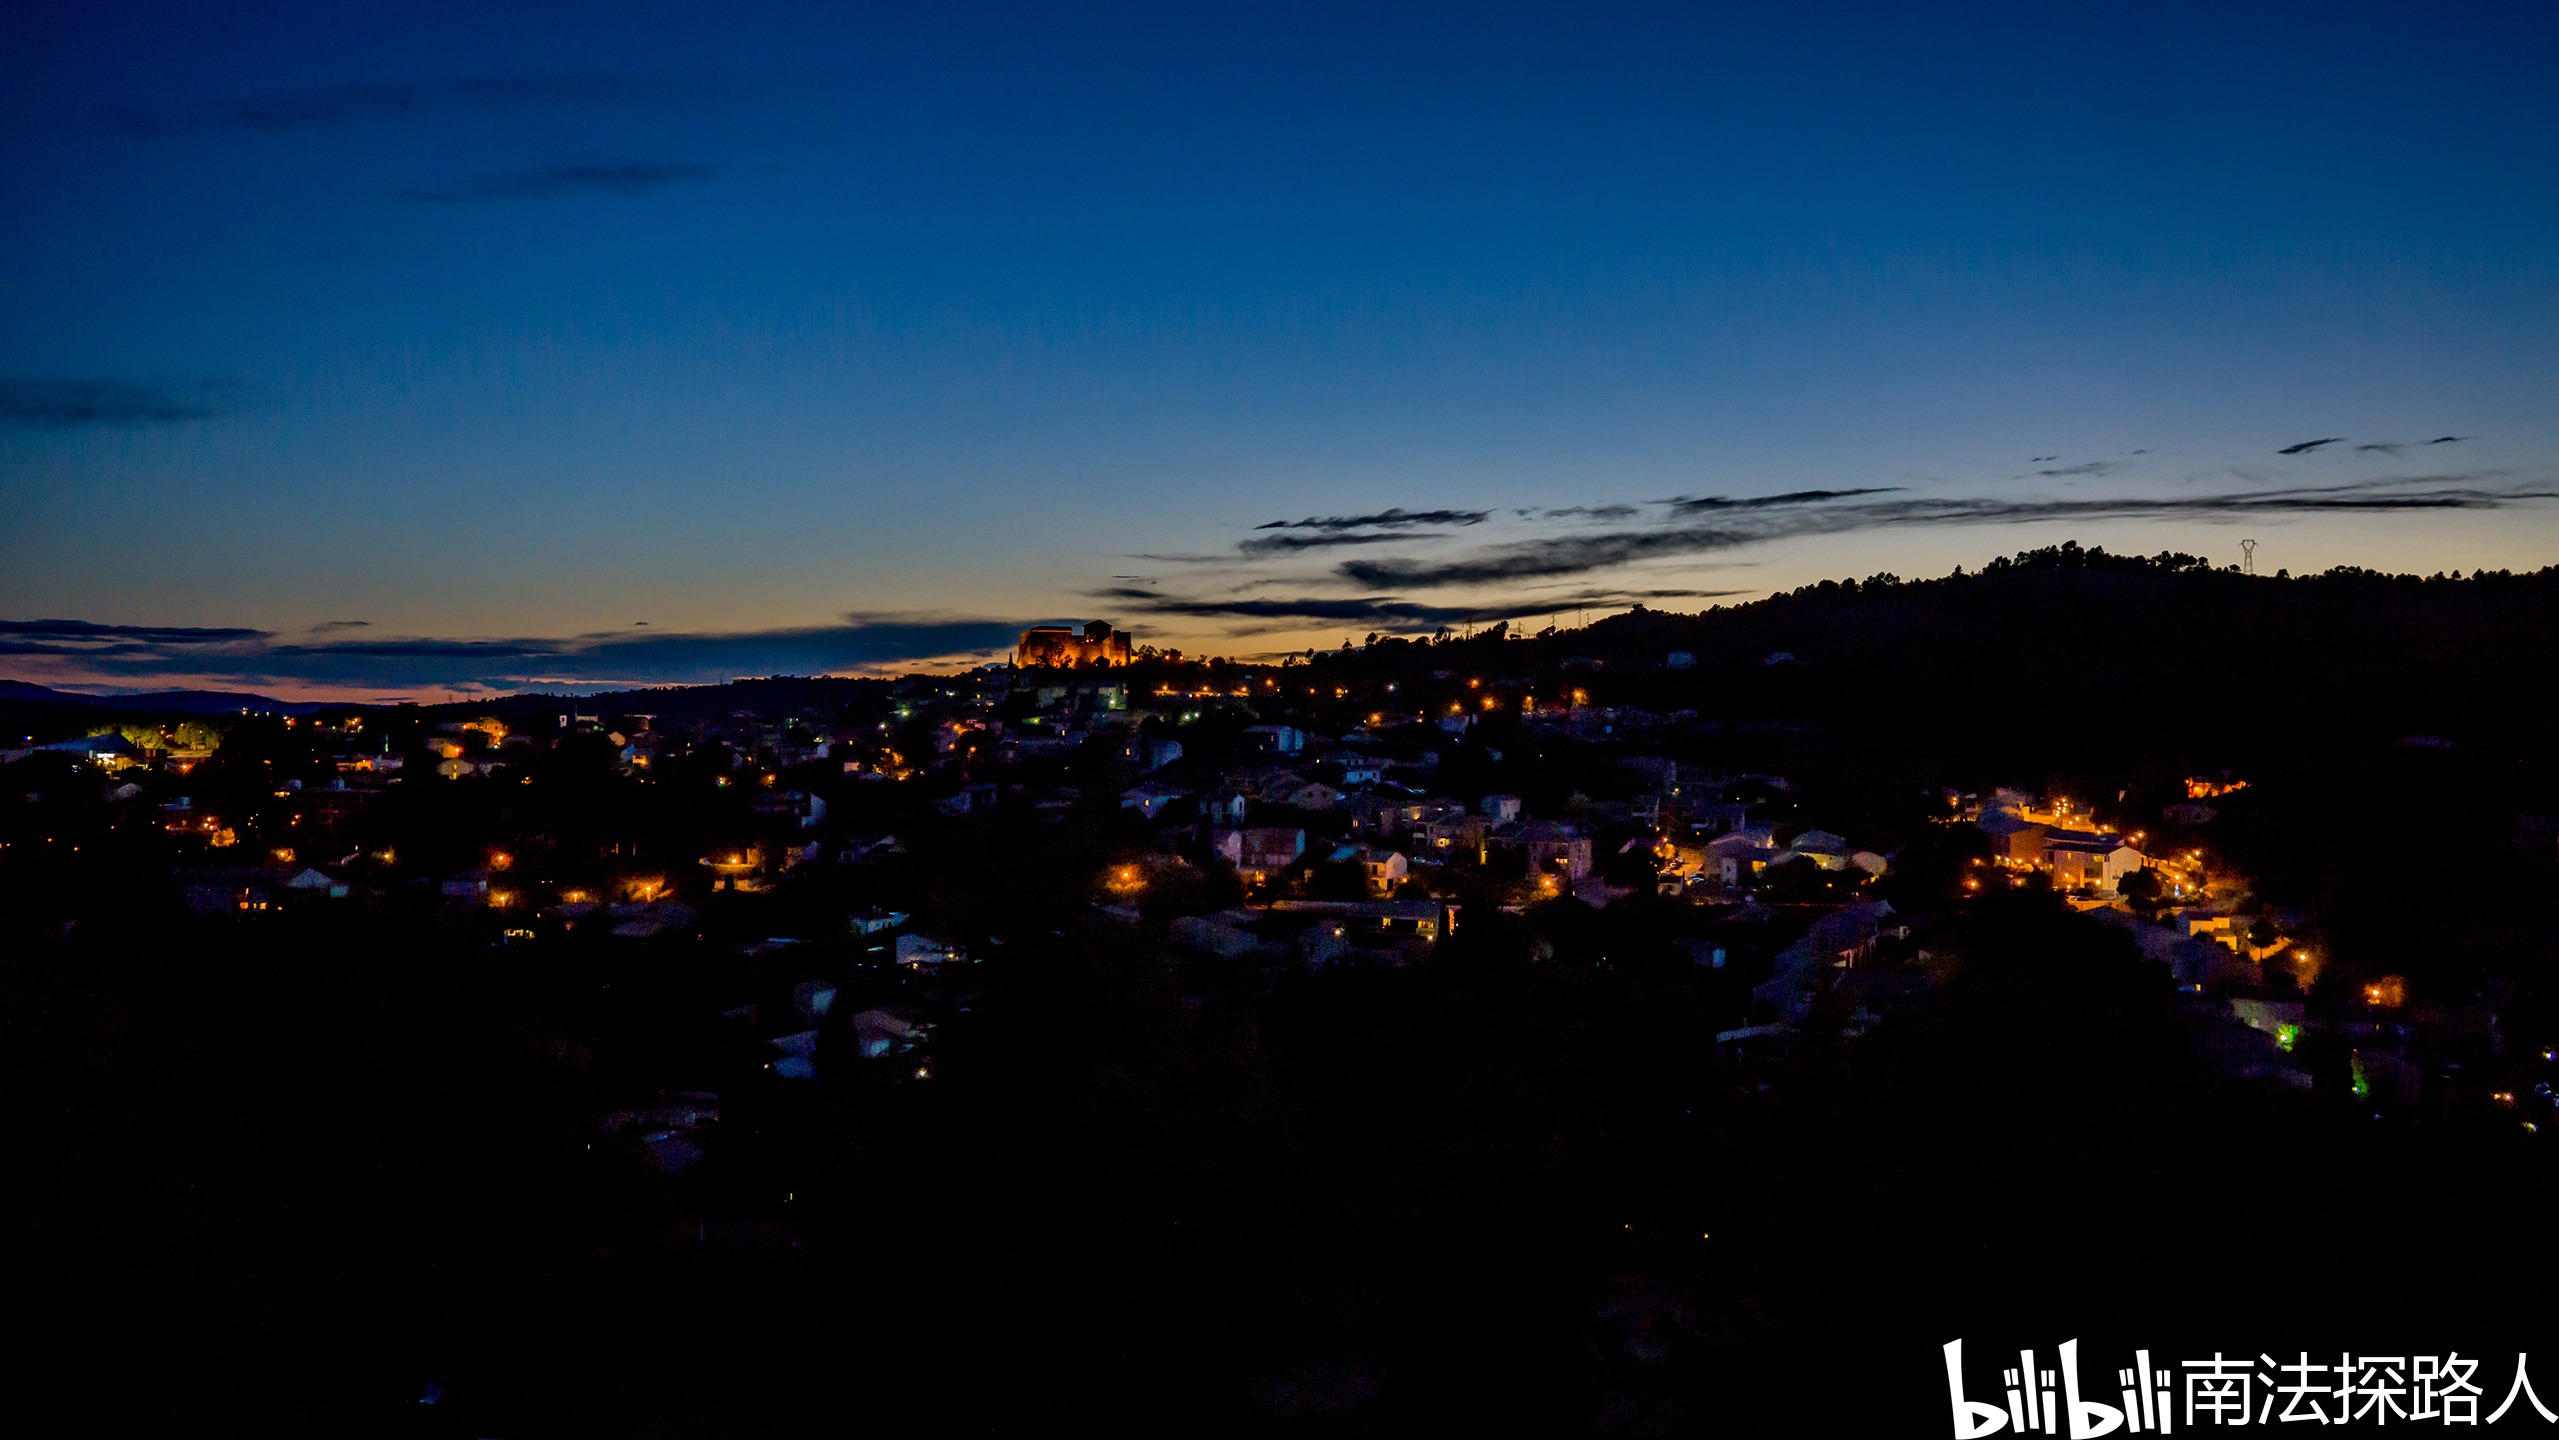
{"points": [[1060, 646]]}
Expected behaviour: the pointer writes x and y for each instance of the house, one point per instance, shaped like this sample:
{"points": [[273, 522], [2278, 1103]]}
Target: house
{"points": [[1373, 816], [1272, 848], [1503, 809], [801, 809], [1222, 934], [1357, 770], [1135, 749], [109, 749], [856, 849], [1721, 817], [1548, 844], [875, 920], [1806, 969], [1267, 783], [315, 882], [1679, 660], [2088, 858], [1265, 852], [811, 999], [1149, 800], [795, 1056], [1409, 815], [921, 952], [645, 920], [1273, 739], [231, 889], [2013, 837], [1403, 919], [1823, 848], [1313, 795], [890, 1030], [1453, 834], [1386, 869], [1733, 859], [667, 1132], [1226, 806]]}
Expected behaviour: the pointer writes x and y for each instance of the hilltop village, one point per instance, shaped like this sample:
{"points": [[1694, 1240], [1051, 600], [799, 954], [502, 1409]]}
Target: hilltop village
{"points": [[767, 973]]}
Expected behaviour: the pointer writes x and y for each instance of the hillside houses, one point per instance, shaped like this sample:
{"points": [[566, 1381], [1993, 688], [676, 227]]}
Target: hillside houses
{"points": [[2029, 835]]}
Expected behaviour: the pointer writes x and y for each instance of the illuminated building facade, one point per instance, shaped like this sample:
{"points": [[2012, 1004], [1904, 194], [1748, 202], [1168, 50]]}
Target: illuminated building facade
{"points": [[1061, 647]]}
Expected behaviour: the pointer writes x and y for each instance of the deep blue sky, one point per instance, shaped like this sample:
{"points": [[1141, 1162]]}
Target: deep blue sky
{"points": [[823, 340]]}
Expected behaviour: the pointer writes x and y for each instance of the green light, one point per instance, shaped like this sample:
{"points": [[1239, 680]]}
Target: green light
{"points": [[2285, 1035]]}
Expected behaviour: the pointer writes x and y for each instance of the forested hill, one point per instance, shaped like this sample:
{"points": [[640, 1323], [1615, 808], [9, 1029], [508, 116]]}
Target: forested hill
{"points": [[2066, 640]]}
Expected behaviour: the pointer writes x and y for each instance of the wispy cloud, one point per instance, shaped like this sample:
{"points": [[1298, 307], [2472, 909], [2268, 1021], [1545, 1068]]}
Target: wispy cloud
{"points": [[331, 107], [1383, 519], [1681, 505], [85, 630], [629, 179], [2306, 446], [1560, 556], [1587, 512], [81, 650], [1263, 545], [1381, 612], [2085, 467], [2393, 447], [70, 404]]}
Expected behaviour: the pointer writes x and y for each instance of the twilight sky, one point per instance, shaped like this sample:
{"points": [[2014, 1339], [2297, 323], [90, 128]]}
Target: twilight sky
{"points": [[354, 353]]}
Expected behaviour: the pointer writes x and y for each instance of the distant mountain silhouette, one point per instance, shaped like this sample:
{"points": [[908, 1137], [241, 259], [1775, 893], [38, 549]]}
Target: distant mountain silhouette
{"points": [[161, 702]]}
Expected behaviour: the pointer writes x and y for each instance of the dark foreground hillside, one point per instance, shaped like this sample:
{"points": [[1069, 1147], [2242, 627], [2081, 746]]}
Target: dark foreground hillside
{"points": [[291, 1184]]}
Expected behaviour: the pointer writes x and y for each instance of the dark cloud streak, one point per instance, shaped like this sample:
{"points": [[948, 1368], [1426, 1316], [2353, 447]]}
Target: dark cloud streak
{"points": [[154, 634], [71, 404], [1715, 504], [1577, 555], [1385, 612], [1396, 518], [249, 658], [1291, 544]]}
